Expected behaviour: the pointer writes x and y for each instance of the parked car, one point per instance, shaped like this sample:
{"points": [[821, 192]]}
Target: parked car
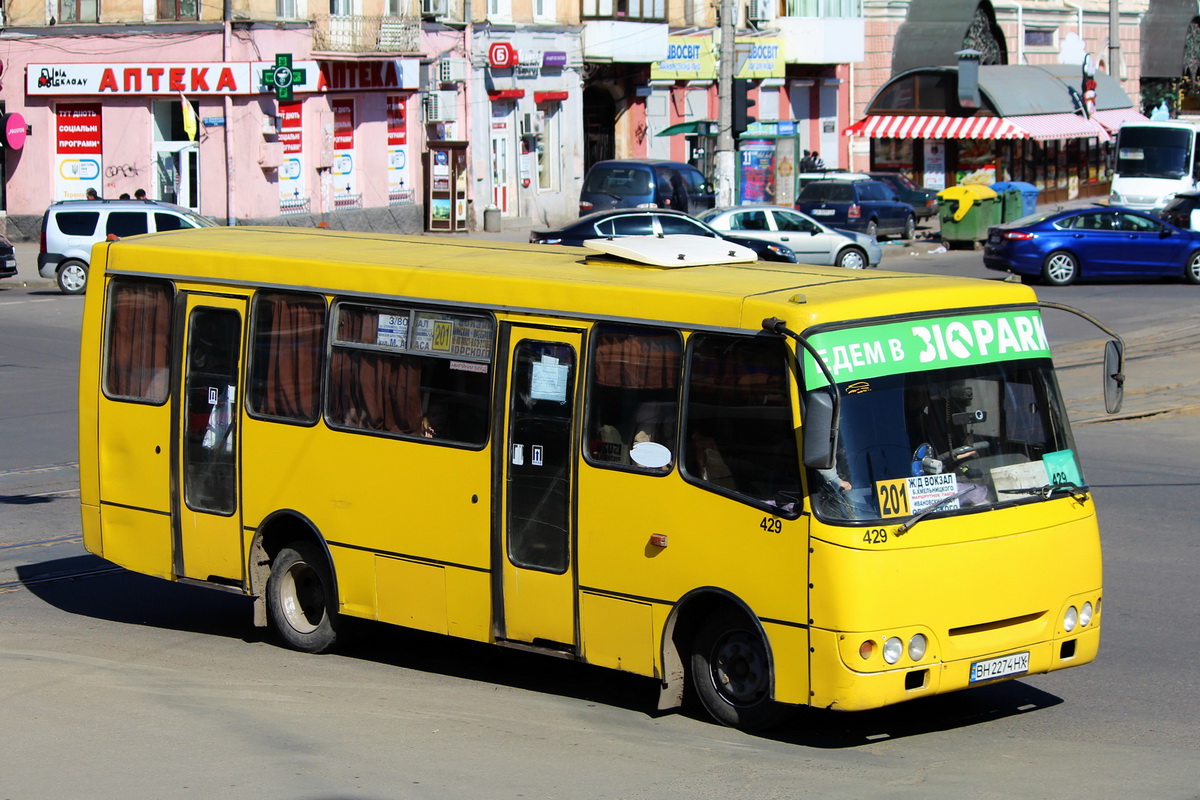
{"points": [[71, 227], [645, 183], [1102, 241], [867, 206], [646, 222], [812, 242], [8, 258], [805, 178], [1183, 211], [923, 201]]}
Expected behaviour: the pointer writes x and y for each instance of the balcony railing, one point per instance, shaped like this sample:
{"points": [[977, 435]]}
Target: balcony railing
{"points": [[828, 9], [358, 33]]}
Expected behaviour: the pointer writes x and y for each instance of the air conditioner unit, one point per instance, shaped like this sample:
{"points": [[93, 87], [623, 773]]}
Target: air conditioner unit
{"points": [[452, 70], [434, 8], [759, 10], [531, 124], [440, 106]]}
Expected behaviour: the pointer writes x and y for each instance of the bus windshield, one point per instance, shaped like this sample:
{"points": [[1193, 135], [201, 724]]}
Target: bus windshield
{"points": [[978, 423], [1154, 152]]}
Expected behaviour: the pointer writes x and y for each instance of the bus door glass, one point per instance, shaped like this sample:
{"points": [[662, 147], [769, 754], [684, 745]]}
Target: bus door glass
{"points": [[207, 514], [538, 570]]}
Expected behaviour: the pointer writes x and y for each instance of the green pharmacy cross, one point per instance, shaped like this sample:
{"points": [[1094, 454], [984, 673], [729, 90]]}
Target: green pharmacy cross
{"points": [[282, 77]]}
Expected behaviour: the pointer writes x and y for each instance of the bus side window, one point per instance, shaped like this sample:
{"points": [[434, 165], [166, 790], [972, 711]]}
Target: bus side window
{"points": [[137, 366], [633, 401], [739, 435], [287, 356]]}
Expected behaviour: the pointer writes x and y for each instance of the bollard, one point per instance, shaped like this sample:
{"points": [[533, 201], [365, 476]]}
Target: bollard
{"points": [[491, 219]]}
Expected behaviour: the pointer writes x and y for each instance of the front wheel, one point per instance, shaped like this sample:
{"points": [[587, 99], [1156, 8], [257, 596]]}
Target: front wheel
{"points": [[1191, 272], [852, 258], [300, 599], [731, 673], [1060, 269], [72, 276], [910, 228]]}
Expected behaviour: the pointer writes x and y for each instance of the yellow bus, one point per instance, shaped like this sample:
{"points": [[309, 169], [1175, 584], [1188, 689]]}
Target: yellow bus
{"points": [[773, 485]]}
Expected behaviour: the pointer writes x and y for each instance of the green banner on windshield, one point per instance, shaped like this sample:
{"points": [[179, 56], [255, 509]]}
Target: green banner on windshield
{"points": [[893, 348]]}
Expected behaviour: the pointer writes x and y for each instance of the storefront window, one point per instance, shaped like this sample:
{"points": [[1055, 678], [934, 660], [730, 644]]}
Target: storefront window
{"points": [[895, 155], [547, 148], [976, 162], [78, 11], [177, 9]]}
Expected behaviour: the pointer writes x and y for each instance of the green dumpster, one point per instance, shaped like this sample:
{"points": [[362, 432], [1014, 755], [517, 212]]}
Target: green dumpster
{"points": [[966, 212]]}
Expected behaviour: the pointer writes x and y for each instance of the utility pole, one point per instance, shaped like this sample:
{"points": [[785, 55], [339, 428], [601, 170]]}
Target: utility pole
{"points": [[725, 153], [1114, 39]]}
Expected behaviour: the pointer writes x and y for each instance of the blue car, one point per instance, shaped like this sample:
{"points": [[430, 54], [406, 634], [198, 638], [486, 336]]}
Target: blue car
{"points": [[1098, 242], [854, 204]]}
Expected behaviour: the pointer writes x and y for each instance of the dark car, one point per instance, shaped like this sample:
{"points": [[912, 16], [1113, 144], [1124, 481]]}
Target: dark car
{"points": [[638, 222], [923, 201], [1183, 211], [867, 206], [8, 259], [1098, 242], [645, 183]]}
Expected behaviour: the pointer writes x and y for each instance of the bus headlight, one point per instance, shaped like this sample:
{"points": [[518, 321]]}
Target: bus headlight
{"points": [[1070, 618], [1085, 615], [916, 647], [892, 649]]}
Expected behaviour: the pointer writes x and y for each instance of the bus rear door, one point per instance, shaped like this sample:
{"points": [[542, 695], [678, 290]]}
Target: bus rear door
{"points": [[536, 531], [206, 512]]}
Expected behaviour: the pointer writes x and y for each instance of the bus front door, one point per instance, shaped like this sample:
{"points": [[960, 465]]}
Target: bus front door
{"points": [[537, 591], [206, 514]]}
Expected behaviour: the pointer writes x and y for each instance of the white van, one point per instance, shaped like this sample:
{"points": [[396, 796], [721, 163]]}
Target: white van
{"points": [[71, 227]]}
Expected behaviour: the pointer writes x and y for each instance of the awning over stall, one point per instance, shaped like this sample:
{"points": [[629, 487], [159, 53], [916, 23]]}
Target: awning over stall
{"points": [[1039, 126], [704, 127]]}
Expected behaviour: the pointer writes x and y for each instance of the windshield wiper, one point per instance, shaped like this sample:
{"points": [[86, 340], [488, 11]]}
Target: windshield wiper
{"points": [[1050, 489], [908, 526]]}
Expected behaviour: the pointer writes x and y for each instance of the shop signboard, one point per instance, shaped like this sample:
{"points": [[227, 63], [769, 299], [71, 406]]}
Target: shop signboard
{"points": [[78, 147], [400, 189], [293, 189]]}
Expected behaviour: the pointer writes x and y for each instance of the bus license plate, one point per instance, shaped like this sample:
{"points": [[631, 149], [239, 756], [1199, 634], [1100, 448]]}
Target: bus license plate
{"points": [[1001, 667]]}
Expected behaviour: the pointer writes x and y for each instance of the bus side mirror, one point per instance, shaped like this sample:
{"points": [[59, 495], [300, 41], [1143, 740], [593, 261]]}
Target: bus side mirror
{"points": [[1114, 379], [820, 431]]}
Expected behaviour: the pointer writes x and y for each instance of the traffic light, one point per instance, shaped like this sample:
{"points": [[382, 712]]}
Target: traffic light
{"points": [[742, 104]]}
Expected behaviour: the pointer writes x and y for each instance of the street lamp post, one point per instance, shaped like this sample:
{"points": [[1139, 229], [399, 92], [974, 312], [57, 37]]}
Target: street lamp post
{"points": [[725, 152]]}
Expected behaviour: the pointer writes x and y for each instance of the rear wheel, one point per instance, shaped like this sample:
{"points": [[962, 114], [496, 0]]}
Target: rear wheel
{"points": [[72, 276], [872, 229], [1191, 273], [300, 599], [1060, 268], [731, 673], [910, 227], [852, 258]]}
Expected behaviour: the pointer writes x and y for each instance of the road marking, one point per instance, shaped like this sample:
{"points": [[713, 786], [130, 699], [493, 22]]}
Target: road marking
{"points": [[19, 302]]}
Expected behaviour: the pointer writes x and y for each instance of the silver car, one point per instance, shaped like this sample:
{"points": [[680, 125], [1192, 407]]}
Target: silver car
{"points": [[812, 242]]}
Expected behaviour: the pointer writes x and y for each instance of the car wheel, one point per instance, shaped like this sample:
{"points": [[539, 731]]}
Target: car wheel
{"points": [[910, 228], [852, 258], [72, 276], [1191, 273], [1060, 268], [872, 229]]}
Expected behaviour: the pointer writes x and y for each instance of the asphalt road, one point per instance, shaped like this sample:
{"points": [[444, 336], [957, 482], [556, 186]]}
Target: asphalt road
{"points": [[116, 685]]}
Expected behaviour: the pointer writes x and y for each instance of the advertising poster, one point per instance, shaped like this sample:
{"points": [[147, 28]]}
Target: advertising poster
{"points": [[935, 164], [758, 171], [399, 181], [78, 145], [293, 193], [345, 179]]}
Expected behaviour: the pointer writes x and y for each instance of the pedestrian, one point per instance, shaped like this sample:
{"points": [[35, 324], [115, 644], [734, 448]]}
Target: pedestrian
{"points": [[806, 163], [124, 196], [140, 194], [818, 163], [91, 194]]}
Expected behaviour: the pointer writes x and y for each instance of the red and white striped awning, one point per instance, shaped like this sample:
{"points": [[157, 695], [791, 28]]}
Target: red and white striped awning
{"points": [[1113, 117], [1041, 126]]}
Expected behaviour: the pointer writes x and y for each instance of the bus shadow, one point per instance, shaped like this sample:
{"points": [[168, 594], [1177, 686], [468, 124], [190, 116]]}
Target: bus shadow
{"points": [[89, 586]]}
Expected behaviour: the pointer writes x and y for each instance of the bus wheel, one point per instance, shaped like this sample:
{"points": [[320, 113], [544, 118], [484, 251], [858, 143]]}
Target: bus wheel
{"points": [[300, 599], [731, 673]]}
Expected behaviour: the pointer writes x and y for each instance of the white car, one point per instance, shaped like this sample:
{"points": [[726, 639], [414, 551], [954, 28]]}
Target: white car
{"points": [[812, 242]]}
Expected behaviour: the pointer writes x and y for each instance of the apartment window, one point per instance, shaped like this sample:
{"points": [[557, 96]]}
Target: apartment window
{"points": [[1039, 37], [626, 9], [178, 9], [285, 9], [78, 11]]}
